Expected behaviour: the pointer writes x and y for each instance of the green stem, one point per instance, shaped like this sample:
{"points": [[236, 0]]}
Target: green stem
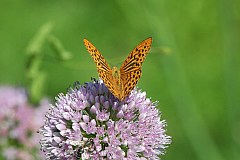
{"points": [[36, 77]]}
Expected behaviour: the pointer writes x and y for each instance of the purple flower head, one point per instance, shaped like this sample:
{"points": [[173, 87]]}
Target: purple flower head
{"points": [[19, 123], [90, 123]]}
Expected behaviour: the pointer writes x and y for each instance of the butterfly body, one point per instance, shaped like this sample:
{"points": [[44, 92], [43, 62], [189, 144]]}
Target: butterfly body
{"points": [[121, 81], [117, 82], [116, 74]]}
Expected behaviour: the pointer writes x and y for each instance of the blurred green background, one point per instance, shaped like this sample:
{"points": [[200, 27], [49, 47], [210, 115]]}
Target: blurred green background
{"points": [[197, 83]]}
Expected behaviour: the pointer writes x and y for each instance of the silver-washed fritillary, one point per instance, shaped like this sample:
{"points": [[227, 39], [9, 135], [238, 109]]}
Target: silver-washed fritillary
{"points": [[121, 82]]}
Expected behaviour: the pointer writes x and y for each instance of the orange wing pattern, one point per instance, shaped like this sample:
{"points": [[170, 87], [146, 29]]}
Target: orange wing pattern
{"points": [[131, 69]]}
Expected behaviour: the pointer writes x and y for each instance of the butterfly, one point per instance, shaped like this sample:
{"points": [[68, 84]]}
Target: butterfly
{"points": [[121, 82]]}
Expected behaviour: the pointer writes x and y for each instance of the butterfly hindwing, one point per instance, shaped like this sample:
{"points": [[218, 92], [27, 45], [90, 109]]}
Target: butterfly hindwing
{"points": [[130, 80], [109, 82]]}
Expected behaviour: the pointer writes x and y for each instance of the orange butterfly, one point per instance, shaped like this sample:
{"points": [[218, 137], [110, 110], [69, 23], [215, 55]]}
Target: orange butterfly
{"points": [[121, 82]]}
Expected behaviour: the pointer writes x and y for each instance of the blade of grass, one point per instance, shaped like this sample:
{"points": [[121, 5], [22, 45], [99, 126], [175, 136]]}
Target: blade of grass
{"points": [[230, 42]]}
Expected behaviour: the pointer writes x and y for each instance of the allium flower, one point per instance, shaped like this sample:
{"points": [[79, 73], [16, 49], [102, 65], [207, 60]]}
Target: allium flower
{"points": [[90, 123], [19, 123]]}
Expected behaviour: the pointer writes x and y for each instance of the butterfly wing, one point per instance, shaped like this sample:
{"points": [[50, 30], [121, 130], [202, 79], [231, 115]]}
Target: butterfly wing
{"points": [[131, 68], [97, 57], [129, 81], [104, 70]]}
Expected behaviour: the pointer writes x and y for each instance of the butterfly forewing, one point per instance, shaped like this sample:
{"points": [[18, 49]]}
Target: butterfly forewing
{"points": [[97, 57], [136, 57], [131, 68]]}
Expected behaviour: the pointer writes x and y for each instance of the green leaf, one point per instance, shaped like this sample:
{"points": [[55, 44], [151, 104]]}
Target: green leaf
{"points": [[35, 45]]}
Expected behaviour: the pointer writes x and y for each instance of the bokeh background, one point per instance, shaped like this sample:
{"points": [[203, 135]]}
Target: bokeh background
{"points": [[192, 70]]}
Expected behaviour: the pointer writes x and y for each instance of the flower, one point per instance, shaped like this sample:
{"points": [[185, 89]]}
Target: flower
{"points": [[19, 124], [90, 123]]}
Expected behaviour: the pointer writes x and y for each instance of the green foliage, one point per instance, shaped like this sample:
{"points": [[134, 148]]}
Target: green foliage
{"points": [[195, 77], [34, 74]]}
